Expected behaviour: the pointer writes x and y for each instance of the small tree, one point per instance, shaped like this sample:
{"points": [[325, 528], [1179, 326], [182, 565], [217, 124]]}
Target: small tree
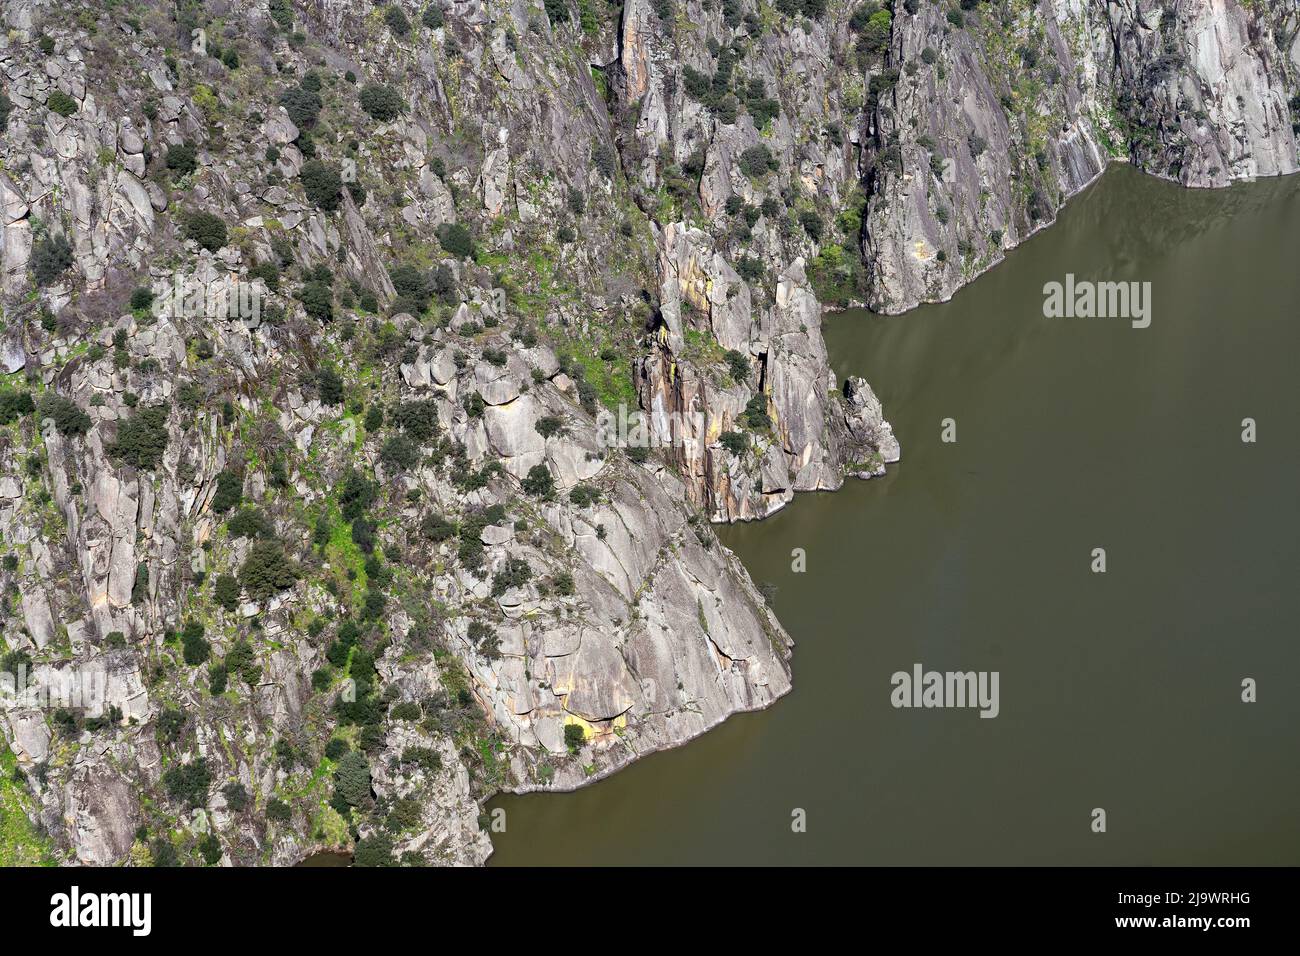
{"points": [[226, 591], [322, 184], [456, 239], [382, 102], [267, 570], [539, 482], [207, 230], [574, 737], [51, 257]]}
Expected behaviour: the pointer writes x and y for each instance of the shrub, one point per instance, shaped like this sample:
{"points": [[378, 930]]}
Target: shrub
{"points": [[250, 523], [68, 417], [734, 442], [397, 21], [188, 783], [194, 646], [230, 492], [303, 106], [318, 301], [51, 257], [574, 737], [183, 159], [278, 811], [141, 298], [6, 106], [329, 386], [376, 850], [210, 848], [419, 419], [456, 239], [171, 724], [737, 364], [16, 404], [426, 758], [549, 425], [515, 573], [142, 438], [755, 415], [267, 570], [757, 161], [437, 528], [208, 230], [61, 103], [236, 797], [352, 779], [400, 452], [432, 17], [538, 482], [322, 184], [382, 102], [226, 591], [336, 748], [557, 11], [218, 676]]}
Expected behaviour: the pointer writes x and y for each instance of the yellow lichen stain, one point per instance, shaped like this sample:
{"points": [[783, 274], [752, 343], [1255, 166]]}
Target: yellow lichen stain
{"points": [[921, 249]]}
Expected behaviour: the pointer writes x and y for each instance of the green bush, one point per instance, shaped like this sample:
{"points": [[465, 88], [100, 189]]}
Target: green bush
{"points": [[236, 797], [318, 301], [456, 239], [432, 16], [382, 102], [183, 159], [737, 364], [267, 570], [68, 417], [51, 257], [218, 675], [141, 298], [250, 522], [734, 442], [352, 779], [538, 482], [6, 107], [226, 591], [400, 453], [397, 21], [303, 106], [194, 646], [757, 160], [210, 848], [14, 405], [322, 184], [419, 419], [755, 415], [142, 438], [61, 103], [188, 783], [278, 811], [230, 492], [515, 573], [208, 230], [329, 386], [574, 737]]}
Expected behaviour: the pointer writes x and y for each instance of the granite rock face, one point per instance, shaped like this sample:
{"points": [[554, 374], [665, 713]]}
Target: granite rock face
{"points": [[399, 492]]}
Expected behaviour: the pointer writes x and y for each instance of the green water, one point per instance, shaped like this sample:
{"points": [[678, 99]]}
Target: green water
{"points": [[1119, 690]]}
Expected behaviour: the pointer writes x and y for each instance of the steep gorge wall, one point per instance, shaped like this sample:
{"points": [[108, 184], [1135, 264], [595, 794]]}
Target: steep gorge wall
{"points": [[662, 200]]}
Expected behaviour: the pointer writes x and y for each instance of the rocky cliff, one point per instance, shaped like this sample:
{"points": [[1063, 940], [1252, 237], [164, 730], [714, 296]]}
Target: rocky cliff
{"points": [[370, 376]]}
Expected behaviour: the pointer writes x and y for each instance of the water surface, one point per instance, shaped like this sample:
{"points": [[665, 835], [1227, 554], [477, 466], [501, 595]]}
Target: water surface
{"points": [[1118, 690]]}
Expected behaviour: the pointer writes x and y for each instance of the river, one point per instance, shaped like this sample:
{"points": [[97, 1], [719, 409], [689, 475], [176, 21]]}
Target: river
{"points": [[1118, 690]]}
